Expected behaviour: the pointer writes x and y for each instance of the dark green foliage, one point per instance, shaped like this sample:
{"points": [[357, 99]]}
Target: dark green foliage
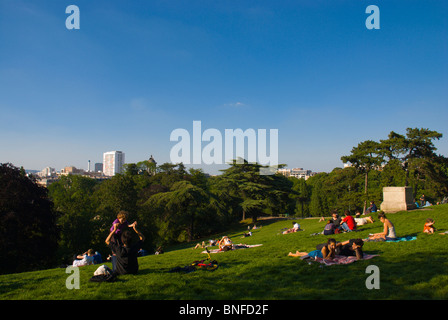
{"points": [[172, 204], [28, 232]]}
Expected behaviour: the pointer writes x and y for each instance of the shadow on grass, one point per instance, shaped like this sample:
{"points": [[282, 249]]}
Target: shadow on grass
{"points": [[412, 276]]}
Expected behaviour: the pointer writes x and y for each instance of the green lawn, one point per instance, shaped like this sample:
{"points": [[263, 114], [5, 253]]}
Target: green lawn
{"points": [[408, 270]]}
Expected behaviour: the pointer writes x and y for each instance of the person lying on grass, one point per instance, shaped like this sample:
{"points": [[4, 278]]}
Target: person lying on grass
{"points": [[360, 221], [225, 244], [328, 251], [352, 247], [295, 228]]}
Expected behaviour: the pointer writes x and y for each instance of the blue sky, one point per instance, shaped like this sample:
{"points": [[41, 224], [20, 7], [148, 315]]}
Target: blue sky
{"points": [[137, 70]]}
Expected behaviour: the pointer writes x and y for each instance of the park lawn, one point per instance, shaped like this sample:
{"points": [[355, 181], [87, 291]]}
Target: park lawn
{"points": [[408, 270]]}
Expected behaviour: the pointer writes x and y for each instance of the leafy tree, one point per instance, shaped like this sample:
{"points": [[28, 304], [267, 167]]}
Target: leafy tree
{"points": [[73, 199], [180, 208], [300, 194], [113, 195], [366, 156], [253, 193], [28, 230]]}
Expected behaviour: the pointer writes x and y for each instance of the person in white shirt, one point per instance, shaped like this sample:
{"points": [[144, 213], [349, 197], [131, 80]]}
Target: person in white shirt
{"points": [[85, 259]]}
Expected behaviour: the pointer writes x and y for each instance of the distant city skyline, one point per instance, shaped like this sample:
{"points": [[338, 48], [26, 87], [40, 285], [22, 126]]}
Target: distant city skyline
{"points": [[136, 71]]}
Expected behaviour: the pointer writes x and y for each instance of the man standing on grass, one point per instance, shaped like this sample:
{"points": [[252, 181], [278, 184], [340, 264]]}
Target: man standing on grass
{"points": [[125, 256]]}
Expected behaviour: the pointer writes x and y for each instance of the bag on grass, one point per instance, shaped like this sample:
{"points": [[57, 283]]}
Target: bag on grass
{"points": [[104, 274]]}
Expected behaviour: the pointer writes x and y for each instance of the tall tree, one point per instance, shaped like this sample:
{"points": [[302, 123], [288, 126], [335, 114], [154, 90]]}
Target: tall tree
{"points": [[28, 230], [366, 156], [73, 199], [413, 150], [253, 191], [180, 207]]}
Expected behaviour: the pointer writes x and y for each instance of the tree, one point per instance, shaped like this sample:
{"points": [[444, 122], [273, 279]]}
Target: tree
{"points": [[366, 156], [301, 195], [415, 150], [74, 201], [180, 207], [113, 195], [28, 230], [253, 193]]}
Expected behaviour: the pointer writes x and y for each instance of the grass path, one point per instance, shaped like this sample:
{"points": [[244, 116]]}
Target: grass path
{"points": [[408, 270]]}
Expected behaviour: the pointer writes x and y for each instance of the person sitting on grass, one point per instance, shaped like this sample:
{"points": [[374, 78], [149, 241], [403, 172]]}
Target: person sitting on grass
{"points": [[85, 259], [348, 223], [429, 226], [329, 228], [388, 232]]}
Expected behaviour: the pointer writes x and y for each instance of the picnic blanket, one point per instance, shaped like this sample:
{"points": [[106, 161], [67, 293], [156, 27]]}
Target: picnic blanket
{"points": [[405, 238], [344, 259], [234, 247], [398, 239]]}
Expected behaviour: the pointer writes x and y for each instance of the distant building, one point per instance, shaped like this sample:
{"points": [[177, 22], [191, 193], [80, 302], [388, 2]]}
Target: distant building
{"points": [[153, 166], [98, 167], [71, 170], [298, 173], [47, 172], [113, 162]]}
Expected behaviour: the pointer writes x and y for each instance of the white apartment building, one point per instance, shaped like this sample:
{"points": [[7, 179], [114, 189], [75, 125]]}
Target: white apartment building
{"points": [[47, 172], [298, 173], [113, 162]]}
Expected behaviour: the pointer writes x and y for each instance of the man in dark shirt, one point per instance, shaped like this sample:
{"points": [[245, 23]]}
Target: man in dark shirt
{"points": [[337, 220], [126, 252], [352, 247]]}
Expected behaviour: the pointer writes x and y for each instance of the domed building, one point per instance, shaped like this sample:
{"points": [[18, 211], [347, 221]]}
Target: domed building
{"points": [[152, 167]]}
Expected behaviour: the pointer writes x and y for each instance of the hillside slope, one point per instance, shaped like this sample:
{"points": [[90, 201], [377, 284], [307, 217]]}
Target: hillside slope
{"points": [[408, 270]]}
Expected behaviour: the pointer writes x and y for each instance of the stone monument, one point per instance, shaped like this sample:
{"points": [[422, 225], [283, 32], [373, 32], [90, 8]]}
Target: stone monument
{"points": [[397, 199]]}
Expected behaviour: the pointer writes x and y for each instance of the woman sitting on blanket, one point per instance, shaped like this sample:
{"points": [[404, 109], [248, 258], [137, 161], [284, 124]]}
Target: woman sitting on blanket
{"points": [[389, 229], [352, 247]]}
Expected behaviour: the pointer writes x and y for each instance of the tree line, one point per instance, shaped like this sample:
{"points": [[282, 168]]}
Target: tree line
{"points": [[172, 204]]}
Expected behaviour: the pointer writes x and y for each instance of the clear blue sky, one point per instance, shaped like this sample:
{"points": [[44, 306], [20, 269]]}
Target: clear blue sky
{"points": [[137, 70]]}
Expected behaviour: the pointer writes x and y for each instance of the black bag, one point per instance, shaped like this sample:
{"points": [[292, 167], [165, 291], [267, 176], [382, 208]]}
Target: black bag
{"points": [[104, 278]]}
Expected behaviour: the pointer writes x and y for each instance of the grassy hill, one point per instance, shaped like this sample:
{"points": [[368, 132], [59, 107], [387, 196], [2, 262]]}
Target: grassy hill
{"points": [[408, 270]]}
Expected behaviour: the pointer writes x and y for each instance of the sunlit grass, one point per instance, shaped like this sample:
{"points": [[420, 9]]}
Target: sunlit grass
{"points": [[408, 270]]}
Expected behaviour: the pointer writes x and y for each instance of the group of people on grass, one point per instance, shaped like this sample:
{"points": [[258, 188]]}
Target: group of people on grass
{"points": [[124, 249], [353, 247], [348, 223], [329, 250]]}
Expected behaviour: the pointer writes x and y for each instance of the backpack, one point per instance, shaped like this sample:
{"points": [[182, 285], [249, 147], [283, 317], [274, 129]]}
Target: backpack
{"points": [[104, 274]]}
